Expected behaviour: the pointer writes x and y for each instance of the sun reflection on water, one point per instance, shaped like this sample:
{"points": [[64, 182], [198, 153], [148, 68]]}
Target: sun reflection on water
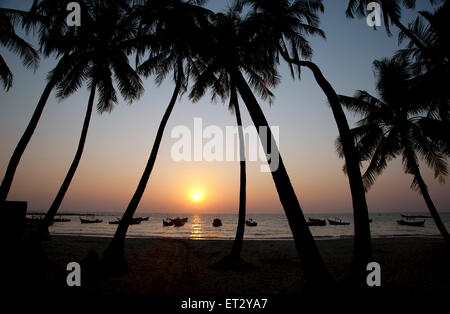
{"points": [[196, 227]]}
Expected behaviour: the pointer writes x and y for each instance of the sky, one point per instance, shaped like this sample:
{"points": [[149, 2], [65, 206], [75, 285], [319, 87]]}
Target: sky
{"points": [[119, 143]]}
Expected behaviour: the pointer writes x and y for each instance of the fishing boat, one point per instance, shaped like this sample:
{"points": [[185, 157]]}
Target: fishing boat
{"points": [[60, 219], [337, 222], [34, 221], [414, 216], [167, 222], [316, 222], [217, 222], [143, 218], [134, 221], [414, 223], [90, 221], [179, 222], [251, 223]]}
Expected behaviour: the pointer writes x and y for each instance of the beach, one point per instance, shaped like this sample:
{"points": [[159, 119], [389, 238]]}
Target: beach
{"points": [[164, 266]]}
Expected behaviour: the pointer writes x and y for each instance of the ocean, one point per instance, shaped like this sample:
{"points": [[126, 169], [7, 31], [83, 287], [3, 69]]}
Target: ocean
{"points": [[270, 226]]}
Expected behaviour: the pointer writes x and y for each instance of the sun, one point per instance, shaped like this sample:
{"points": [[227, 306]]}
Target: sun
{"points": [[197, 196]]}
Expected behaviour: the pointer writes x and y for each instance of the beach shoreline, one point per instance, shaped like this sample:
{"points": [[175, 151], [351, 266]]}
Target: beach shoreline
{"points": [[316, 238], [167, 266]]}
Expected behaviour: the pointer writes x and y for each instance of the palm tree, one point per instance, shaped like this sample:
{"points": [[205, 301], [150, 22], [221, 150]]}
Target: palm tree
{"points": [[223, 87], [433, 35], [14, 43], [170, 30], [239, 238], [99, 50], [390, 128], [391, 15], [233, 261], [231, 47], [432, 65], [285, 23], [436, 130], [432, 73], [48, 18]]}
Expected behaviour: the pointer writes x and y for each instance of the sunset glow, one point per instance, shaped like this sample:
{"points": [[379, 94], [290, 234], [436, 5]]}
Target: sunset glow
{"points": [[197, 196], [225, 156], [114, 157]]}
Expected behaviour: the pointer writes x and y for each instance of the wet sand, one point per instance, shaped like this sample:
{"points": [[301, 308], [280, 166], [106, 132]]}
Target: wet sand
{"points": [[409, 266]]}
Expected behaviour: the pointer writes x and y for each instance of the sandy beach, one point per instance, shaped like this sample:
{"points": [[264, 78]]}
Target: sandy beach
{"points": [[409, 266]]}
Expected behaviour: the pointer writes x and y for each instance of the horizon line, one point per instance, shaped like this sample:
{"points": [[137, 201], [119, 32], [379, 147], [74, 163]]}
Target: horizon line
{"points": [[222, 213]]}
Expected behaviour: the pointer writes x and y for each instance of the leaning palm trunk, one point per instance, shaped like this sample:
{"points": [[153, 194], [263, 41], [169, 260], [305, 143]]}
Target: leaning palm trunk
{"points": [[362, 243], [114, 253], [237, 245], [315, 270], [433, 211], [24, 140], [43, 228], [426, 196]]}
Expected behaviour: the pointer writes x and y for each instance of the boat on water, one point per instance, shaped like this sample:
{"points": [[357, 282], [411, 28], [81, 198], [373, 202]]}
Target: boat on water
{"points": [[90, 221], [217, 222], [251, 223], [413, 223], [60, 219], [167, 222], [143, 218], [337, 222], [34, 221], [134, 221], [316, 222], [179, 222], [414, 216]]}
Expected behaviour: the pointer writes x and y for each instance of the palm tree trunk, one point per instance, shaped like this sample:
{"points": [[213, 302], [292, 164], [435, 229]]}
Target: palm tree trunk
{"points": [[433, 211], [43, 228], [362, 243], [115, 250], [315, 270], [237, 244], [415, 171], [24, 140]]}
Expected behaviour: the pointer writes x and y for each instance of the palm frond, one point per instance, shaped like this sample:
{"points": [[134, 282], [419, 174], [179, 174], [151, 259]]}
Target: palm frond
{"points": [[431, 153], [5, 74], [386, 150], [128, 81], [107, 96], [72, 73]]}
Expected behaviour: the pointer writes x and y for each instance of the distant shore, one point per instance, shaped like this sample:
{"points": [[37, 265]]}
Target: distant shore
{"points": [[409, 265]]}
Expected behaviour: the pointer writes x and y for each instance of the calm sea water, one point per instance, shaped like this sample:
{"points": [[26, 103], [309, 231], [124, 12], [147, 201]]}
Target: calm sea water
{"points": [[270, 226]]}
